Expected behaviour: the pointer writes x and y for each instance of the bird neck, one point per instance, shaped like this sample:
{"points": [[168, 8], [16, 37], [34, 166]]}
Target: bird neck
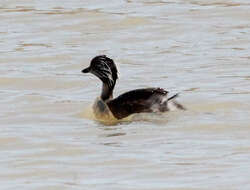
{"points": [[107, 92]]}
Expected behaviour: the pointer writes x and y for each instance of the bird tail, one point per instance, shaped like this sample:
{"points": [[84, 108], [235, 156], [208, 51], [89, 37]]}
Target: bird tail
{"points": [[174, 96], [173, 102]]}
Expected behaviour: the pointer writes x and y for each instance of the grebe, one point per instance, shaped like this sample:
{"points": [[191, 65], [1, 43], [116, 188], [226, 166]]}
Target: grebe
{"points": [[136, 101]]}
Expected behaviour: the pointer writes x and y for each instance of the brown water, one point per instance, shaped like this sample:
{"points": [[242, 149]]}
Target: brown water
{"points": [[196, 47]]}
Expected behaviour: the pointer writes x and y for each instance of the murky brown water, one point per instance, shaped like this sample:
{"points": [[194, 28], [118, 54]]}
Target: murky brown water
{"points": [[195, 47]]}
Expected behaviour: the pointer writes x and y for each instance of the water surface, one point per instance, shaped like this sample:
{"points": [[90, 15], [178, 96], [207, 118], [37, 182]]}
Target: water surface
{"points": [[198, 48]]}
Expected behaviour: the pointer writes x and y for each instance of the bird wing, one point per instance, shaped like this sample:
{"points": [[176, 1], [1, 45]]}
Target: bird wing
{"points": [[137, 101]]}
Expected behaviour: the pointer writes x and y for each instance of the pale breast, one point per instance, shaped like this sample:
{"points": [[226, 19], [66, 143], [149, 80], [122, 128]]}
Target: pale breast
{"points": [[102, 111]]}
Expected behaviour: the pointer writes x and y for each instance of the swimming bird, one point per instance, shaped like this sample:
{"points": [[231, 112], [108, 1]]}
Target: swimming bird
{"points": [[143, 100]]}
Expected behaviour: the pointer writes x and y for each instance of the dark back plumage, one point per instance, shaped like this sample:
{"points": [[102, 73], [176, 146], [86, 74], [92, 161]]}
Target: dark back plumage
{"points": [[138, 101]]}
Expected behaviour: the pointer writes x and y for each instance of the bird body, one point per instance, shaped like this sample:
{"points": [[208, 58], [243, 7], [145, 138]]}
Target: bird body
{"points": [[144, 100]]}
